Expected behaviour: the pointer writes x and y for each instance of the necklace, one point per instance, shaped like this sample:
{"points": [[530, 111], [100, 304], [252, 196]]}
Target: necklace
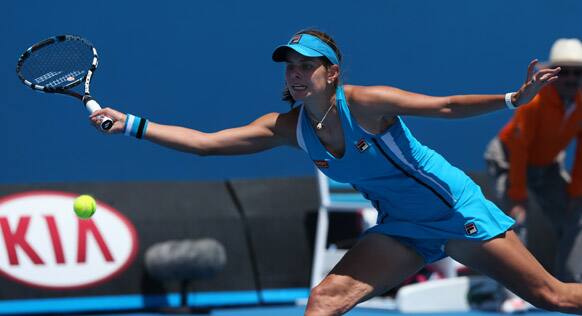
{"points": [[319, 126]]}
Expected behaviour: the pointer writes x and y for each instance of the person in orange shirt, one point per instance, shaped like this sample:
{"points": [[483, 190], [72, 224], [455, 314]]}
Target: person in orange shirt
{"points": [[526, 158]]}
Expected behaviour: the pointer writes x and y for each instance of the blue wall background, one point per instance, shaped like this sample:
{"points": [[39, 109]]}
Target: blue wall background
{"points": [[206, 65]]}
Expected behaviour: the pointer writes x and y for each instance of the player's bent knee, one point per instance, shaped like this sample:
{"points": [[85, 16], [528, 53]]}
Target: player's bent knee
{"points": [[323, 301], [328, 299]]}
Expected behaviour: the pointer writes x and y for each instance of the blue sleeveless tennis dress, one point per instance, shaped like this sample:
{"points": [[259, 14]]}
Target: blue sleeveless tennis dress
{"points": [[422, 200]]}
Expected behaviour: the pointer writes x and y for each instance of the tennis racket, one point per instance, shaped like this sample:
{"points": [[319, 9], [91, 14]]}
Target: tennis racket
{"points": [[57, 65]]}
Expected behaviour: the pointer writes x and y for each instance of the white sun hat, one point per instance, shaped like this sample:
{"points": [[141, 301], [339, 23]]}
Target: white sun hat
{"points": [[566, 52]]}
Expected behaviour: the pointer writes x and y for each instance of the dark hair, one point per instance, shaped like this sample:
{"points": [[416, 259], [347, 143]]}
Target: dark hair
{"points": [[329, 41]]}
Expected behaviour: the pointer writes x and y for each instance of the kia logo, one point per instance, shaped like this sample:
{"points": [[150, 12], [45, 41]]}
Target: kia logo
{"points": [[44, 244]]}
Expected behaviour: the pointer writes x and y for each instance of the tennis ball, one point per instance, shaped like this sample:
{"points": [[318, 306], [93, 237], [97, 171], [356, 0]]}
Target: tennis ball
{"points": [[84, 206]]}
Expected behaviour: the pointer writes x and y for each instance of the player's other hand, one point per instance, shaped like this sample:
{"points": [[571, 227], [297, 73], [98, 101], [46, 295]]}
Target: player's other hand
{"points": [[117, 117], [534, 82]]}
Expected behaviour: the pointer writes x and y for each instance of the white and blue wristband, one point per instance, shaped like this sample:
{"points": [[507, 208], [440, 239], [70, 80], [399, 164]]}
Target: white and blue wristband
{"points": [[508, 102], [135, 126]]}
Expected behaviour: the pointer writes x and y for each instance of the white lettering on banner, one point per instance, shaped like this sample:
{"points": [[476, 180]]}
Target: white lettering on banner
{"points": [[43, 244]]}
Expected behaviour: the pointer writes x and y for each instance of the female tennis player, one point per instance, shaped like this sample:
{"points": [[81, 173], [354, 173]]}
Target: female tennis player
{"points": [[427, 208]]}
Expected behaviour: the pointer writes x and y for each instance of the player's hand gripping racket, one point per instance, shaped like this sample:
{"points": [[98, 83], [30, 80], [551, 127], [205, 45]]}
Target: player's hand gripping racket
{"points": [[58, 64]]}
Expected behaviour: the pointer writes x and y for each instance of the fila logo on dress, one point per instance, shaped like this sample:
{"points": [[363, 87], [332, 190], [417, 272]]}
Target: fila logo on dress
{"points": [[324, 164], [471, 228], [362, 145]]}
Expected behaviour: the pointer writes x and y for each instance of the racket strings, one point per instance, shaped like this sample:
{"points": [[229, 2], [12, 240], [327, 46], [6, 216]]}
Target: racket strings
{"points": [[58, 65]]}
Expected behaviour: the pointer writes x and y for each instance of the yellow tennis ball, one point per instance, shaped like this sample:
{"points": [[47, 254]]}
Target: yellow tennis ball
{"points": [[84, 206]]}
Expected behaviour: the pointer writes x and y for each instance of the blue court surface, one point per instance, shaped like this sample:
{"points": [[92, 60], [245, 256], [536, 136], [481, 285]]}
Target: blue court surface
{"points": [[298, 310]]}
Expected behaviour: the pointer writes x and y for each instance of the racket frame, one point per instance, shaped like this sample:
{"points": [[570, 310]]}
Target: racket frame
{"points": [[90, 103]]}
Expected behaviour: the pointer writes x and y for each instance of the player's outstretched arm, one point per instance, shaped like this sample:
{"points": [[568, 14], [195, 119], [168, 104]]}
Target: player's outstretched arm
{"points": [[389, 101], [268, 131]]}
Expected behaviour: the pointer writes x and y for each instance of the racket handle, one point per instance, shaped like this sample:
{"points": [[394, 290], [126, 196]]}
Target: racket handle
{"points": [[92, 106]]}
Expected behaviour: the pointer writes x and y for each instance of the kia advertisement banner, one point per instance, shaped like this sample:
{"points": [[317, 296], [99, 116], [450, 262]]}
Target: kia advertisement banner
{"points": [[51, 261], [47, 252], [45, 245]]}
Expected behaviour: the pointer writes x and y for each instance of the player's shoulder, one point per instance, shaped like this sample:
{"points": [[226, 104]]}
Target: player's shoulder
{"points": [[280, 122], [356, 95], [292, 113], [368, 95], [371, 100], [290, 116], [285, 124]]}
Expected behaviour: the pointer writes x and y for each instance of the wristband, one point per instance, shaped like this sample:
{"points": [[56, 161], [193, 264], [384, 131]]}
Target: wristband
{"points": [[508, 102], [135, 126]]}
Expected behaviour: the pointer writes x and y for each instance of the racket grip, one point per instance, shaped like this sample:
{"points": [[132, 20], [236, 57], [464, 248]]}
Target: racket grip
{"points": [[92, 106]]}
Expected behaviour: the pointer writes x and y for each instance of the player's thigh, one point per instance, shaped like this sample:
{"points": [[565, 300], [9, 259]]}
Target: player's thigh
{"points": [[505, 259], [374, 265]]}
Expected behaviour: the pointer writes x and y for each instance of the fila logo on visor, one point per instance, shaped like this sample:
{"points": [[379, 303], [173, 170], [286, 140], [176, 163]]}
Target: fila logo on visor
{"points": [[295, 39]]}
